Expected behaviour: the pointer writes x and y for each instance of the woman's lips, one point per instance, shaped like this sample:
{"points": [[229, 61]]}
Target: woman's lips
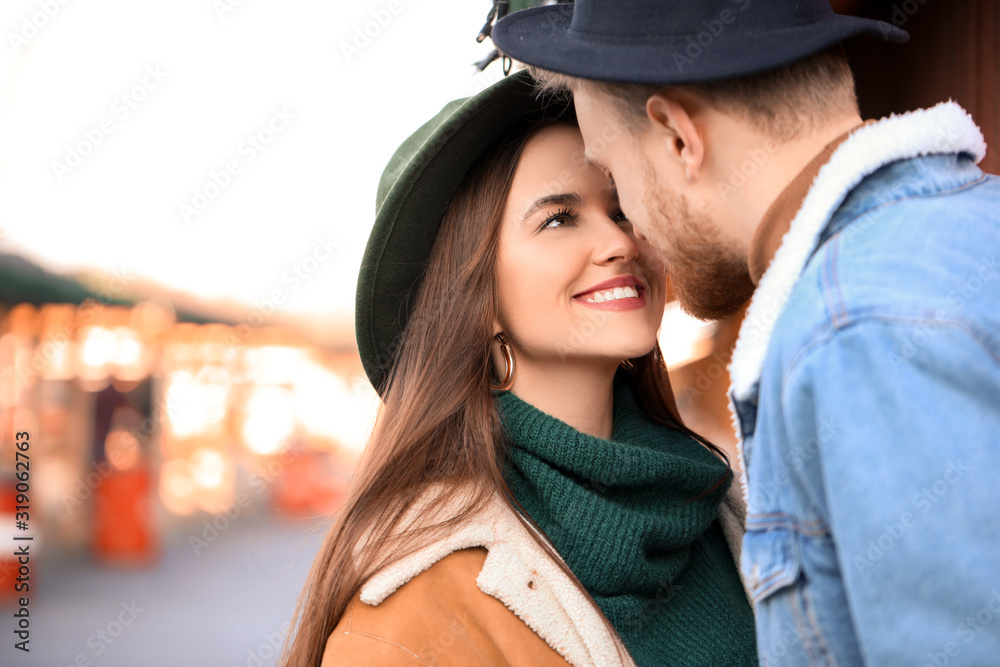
{"points": [[616, 294], [632, 303]]}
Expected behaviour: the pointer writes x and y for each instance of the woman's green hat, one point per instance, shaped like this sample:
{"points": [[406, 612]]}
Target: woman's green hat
{"points": [[413, 193]]}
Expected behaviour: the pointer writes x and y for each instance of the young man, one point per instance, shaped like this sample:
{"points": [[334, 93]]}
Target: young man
{"points": [[866, 379]]}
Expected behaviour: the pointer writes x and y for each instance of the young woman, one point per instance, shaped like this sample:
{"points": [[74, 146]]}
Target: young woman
{"points": [[529, 495]]}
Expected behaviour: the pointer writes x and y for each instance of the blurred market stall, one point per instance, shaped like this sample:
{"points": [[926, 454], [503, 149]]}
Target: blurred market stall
{"points": [[145, 422]]}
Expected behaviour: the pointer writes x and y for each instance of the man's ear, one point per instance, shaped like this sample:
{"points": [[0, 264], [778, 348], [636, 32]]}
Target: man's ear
{"points": [[672, 123]]}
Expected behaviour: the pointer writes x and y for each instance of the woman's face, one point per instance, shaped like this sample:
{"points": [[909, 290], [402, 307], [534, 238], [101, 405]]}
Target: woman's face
{"points": [[575, 285]]}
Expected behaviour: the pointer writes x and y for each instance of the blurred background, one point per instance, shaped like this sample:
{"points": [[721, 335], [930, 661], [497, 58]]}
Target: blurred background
{"points": [[186, 189]]}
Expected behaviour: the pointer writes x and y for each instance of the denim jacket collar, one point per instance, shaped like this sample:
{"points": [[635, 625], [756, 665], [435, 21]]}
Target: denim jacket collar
{"points": [[943, 129]]}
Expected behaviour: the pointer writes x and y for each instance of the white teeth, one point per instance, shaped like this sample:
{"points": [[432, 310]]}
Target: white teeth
{"points": [[629, 292]]}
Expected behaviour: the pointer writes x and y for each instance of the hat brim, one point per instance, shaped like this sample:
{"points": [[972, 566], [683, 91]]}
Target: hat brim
{"points": [[414, 203], [543, 37]]}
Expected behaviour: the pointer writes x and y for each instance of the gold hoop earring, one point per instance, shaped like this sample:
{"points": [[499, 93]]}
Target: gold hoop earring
{"points": [[508, 358]]}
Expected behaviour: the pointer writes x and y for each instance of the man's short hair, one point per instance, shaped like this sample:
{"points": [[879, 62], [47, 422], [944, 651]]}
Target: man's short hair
{"points": [[784, 102]]}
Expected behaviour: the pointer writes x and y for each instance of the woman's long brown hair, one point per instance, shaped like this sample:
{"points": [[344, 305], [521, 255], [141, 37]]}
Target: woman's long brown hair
{"points": [[438, 424]]}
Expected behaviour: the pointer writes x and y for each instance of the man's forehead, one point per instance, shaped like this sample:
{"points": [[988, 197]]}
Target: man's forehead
{"points": [[595, 153], [600, 127]]}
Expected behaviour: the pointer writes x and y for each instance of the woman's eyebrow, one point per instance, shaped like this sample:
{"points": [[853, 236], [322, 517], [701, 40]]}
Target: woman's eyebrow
{"points": [[561, 199]]}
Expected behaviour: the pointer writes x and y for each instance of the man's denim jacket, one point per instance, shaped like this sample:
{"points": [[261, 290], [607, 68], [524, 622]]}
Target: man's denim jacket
{"points": [[866, 392]]}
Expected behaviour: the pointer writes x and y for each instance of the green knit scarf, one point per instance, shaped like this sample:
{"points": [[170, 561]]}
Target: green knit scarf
{"points": [[634, 519]]}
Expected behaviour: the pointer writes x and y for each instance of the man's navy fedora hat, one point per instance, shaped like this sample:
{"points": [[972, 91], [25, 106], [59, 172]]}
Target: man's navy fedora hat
{"points": [[676, 41]]}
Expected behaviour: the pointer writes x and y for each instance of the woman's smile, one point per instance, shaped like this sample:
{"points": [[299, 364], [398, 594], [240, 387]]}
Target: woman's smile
{"points": [[615, 294]]}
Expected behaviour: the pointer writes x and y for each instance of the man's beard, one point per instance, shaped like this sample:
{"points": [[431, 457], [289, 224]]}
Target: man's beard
{"points": [[710, 279]]}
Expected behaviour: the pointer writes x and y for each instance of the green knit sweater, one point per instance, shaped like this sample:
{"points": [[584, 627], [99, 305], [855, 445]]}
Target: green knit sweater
{"points": [[634, 519]]}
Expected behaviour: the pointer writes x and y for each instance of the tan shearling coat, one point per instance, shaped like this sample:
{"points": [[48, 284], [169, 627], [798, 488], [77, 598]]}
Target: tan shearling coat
{"points": [[486, 594]]}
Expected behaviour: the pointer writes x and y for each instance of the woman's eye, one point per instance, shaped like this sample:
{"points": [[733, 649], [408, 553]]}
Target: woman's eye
{"points": [[560, 219], [620, 218]]}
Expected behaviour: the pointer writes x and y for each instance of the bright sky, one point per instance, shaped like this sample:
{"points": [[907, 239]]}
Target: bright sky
{"points": [[220, 147]]}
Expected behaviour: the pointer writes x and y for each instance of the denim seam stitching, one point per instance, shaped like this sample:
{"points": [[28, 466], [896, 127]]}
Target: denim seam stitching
{"points": [[824, 649], [823, 334], [811, 528], [831, 287], [805, 634], [883, 204]]}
